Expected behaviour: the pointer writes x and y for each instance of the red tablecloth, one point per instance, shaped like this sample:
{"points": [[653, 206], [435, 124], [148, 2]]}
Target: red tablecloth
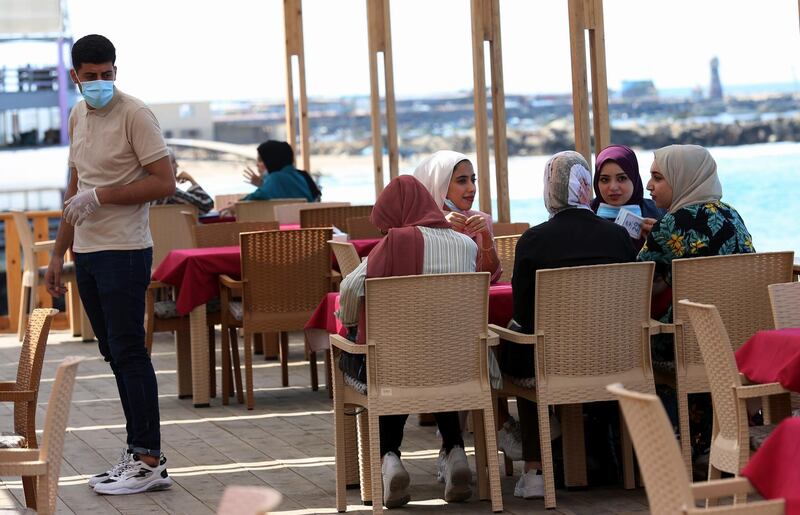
{"points": [[772, 356], [774, 469], [195, 272], [323, 322]]}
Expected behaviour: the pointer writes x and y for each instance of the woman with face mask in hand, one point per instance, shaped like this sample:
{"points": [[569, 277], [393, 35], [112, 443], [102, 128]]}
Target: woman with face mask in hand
{"points": [[618, 185], [450, 179]]}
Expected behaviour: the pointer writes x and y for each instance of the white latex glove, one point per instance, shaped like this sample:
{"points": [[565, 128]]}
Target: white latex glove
{"points": [[81, 206]]}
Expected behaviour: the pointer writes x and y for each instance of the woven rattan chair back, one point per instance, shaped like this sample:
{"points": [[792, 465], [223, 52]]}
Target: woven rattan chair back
{"points": [[285, 274], [346, 256], [290, 213], [248, 500], [225, 201], [261, 210], [506, 247], [665, 478], [227, 234], [361, 228], [592, 321], [332, 216], [784, 299], [55, 425], [405, 328], [509, 228], [723, 376], [29, 371], [169, 231]]}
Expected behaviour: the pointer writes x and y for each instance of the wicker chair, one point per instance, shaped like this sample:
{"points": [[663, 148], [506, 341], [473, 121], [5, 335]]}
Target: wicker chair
{"points": [[41, 466], [227, 201], [669, 490], [261, 210], [346, 256], [737, 285], [509, 228], [24, 392], [248, 500], [32, 273], [290, 213], [785, 301], [285, 274], [731, 439], [361, 228], [506, 247], [416, 362], [224, 234], [332, 216], [576, 356]]}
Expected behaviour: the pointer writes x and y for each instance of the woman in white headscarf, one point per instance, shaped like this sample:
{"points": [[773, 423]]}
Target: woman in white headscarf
{"points": [[450, 179], [573, 236]]}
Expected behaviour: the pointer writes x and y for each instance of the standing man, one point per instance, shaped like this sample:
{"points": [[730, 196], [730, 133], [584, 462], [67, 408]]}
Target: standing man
{"points": [[118, 164]]}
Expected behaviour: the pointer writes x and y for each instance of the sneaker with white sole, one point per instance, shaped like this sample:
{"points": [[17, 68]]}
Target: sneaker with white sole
{"points": [[136, 477], [124, 457], [530, 485], [457, 476], [395, 481], [509, 440], [440, 466]]}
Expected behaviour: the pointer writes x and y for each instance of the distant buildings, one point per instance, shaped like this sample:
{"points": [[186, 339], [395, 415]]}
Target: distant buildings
{"points": [[638, 89]]}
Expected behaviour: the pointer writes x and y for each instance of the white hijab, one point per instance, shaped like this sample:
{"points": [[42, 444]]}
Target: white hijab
{"points": [[436, 171]]}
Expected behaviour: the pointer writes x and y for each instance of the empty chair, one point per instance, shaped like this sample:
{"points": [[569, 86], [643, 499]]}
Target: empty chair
{"points": [[42, 465], [784, 299], [224, 234], [227, 201], [509, 228], [506, 247], [361, 228], [346, 256], [669, 490], [290, 213], [261, 210], [731, 439], [332, 216]]}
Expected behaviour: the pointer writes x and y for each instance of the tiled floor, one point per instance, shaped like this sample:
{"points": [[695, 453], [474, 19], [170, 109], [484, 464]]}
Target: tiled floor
{"points": [[285, 443]]}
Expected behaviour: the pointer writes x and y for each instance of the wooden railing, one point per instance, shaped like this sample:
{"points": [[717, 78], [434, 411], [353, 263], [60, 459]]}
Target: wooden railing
{"points": [[40, 219]]}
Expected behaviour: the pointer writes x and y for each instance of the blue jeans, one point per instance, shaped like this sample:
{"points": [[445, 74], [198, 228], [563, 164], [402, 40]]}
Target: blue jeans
{"points": [[112, 286]]}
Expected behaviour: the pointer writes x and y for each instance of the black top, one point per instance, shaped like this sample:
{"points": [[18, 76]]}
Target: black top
{"points": [[573, 237]]}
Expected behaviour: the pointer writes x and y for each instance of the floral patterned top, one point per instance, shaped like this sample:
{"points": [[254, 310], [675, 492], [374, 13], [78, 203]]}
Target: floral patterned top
{"points": [[712, 229]]}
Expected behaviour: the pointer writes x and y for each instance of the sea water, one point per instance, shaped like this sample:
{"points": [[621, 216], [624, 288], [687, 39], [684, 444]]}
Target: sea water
{"points": [[760, 181]]}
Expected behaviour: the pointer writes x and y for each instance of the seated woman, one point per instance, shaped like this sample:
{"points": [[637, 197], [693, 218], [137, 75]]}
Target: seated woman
{"points": [[617, 184], [419, 241], [450, 179], [573, 236], [277, 178]]}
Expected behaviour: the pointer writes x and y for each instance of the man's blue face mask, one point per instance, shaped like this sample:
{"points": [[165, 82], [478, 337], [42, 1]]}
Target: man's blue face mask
{"points": [[97, 93]]}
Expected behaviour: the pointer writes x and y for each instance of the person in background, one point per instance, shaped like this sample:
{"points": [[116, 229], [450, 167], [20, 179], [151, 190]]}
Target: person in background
{"points": [[419, 241], [617, 184], [118, 163], [573, 236], [450, 179], [277, 178], [194, 195]]}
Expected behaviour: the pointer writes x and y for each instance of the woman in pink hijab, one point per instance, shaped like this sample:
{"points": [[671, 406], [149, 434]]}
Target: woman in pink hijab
{"points": [[418, 241]]}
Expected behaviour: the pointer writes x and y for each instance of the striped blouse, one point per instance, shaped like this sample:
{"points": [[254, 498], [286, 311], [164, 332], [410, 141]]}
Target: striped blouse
{"points": [[446, 252]]}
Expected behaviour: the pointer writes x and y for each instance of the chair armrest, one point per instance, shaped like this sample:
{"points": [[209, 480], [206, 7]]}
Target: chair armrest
{"points": [[492, 339], [229, 283], [721, 488], [346, 345], [656, 327], [44, 246], [156, 285], [7, 386], [667, 328], [17, 396], [773, 507], [513, 336], [759, 390]]}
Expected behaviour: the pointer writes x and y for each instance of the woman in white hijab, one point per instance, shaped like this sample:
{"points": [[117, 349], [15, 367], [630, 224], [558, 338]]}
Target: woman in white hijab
{"points": [[450, 179]]}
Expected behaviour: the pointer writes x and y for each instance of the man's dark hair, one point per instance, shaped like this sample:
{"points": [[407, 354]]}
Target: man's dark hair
{"points": [[94, 49]]}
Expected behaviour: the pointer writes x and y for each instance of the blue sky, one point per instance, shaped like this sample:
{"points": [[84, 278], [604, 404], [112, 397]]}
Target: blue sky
{"points": [[169, 50]]}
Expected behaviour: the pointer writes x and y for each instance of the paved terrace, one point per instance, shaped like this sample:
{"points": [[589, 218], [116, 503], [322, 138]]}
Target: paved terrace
{"points": [[285, 443]]}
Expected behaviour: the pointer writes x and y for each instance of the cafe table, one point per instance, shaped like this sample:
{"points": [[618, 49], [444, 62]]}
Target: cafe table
{"points": [[195, 273], [772, 357]]}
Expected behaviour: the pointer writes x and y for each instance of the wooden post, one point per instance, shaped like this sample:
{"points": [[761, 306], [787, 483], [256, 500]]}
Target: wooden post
{"points": [[588, 15], [293, 23], [379, 35], [486, 27]]}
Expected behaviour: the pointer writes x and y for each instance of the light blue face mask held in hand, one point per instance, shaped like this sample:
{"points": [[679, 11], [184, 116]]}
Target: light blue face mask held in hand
{"points": [[451, 205], [97, 93], [610, 212]]}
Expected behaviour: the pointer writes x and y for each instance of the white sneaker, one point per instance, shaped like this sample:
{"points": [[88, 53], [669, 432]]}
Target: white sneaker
{"points": [[135, 477], [530, 486], [395, 481], [124, 457], [440, 466], [457, 476], [509, 440]]}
